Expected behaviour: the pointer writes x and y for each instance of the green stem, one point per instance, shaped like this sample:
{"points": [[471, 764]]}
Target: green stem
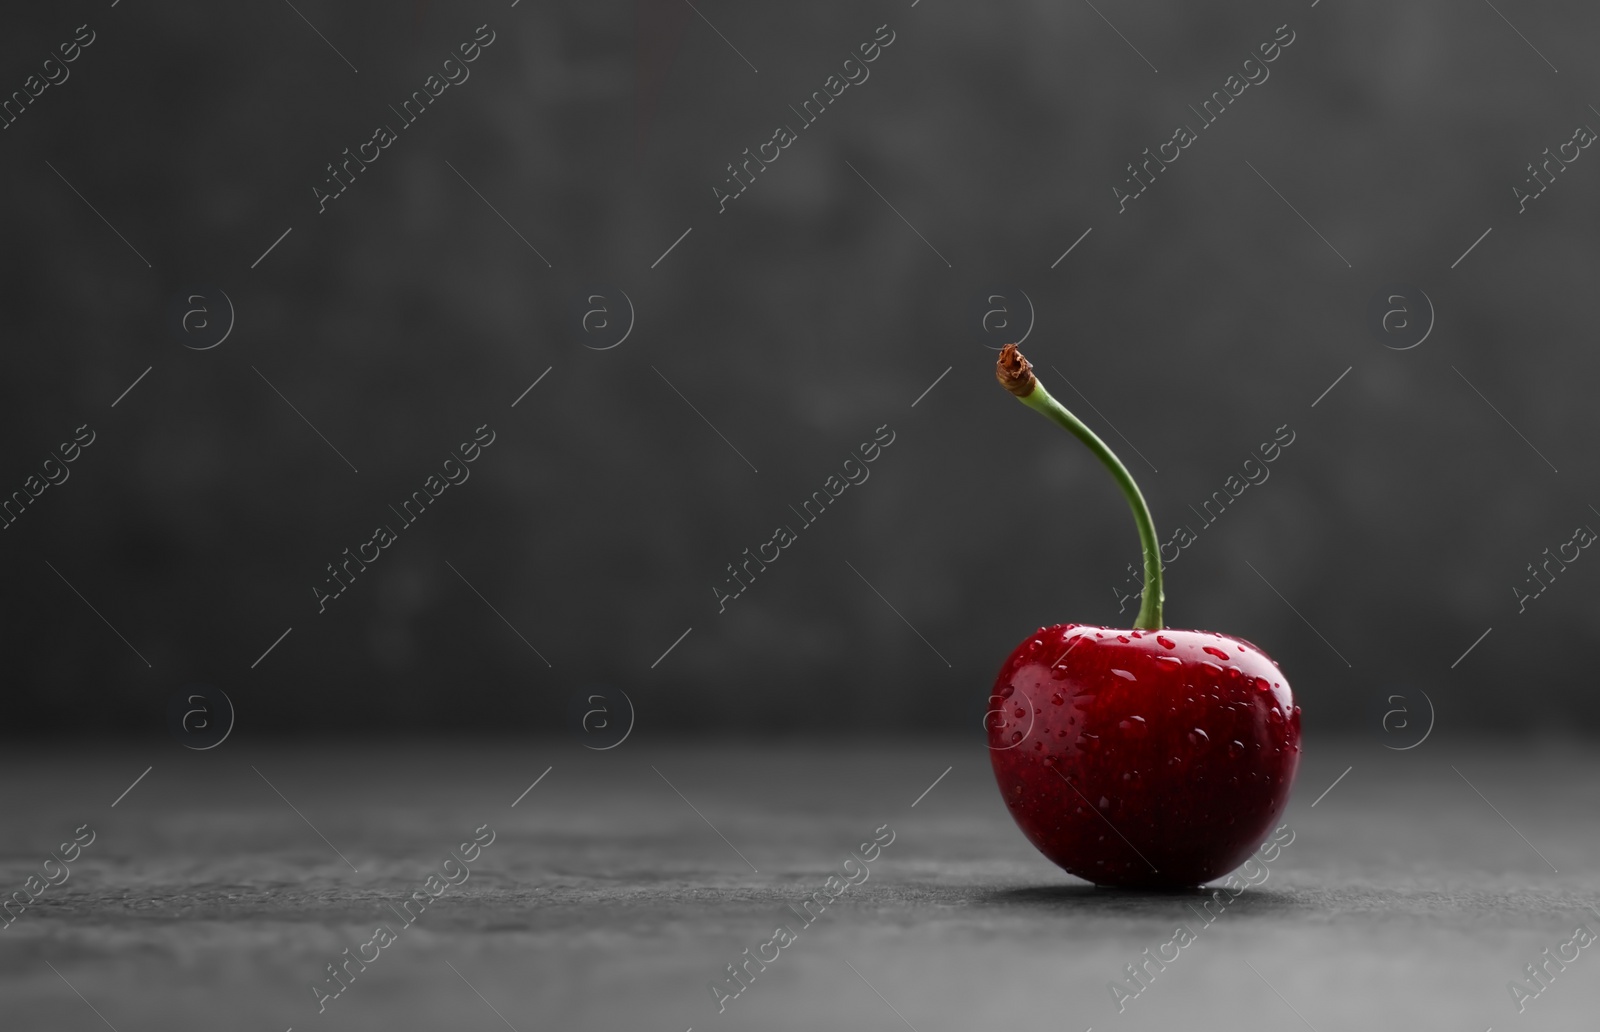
{"points": [[1149, 619]]}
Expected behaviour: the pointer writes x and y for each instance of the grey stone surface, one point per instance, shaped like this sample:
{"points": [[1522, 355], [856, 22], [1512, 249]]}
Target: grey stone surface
{"points": [[606, 902]]}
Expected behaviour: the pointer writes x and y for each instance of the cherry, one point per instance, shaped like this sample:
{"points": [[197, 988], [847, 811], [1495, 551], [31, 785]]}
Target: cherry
{"points": [[1143, 758], [1146, 757]]}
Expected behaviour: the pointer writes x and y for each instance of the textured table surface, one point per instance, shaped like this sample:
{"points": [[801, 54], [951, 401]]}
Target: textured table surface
{"points": [[607, 901]]}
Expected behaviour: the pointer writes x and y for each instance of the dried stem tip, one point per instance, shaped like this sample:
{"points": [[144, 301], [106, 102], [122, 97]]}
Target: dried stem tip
{"points": [[1014, 372]]}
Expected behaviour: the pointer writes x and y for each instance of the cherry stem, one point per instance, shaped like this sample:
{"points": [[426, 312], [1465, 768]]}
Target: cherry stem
{"points": [[1016, 374]]}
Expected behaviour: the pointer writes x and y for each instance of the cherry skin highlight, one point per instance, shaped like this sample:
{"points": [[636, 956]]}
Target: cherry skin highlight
{"points": [[1143, 758]]}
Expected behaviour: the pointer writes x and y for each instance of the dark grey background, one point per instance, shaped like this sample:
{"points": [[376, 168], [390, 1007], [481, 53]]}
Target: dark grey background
{"points": [[798, 321]]}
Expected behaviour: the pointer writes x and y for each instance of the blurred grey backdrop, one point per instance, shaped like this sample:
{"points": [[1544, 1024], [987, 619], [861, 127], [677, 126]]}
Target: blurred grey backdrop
{"points": [[774, 338]]}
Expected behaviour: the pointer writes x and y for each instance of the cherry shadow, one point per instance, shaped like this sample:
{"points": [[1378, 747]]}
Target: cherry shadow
{"points": [[1089, 900]]}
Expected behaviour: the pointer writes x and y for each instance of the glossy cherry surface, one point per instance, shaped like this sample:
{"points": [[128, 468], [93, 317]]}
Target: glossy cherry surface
{"points": [[1143, 758]]}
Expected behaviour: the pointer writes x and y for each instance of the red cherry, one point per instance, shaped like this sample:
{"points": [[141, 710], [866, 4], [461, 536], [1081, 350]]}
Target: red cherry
{"points": [[1146, 773], [1147, 757]]}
